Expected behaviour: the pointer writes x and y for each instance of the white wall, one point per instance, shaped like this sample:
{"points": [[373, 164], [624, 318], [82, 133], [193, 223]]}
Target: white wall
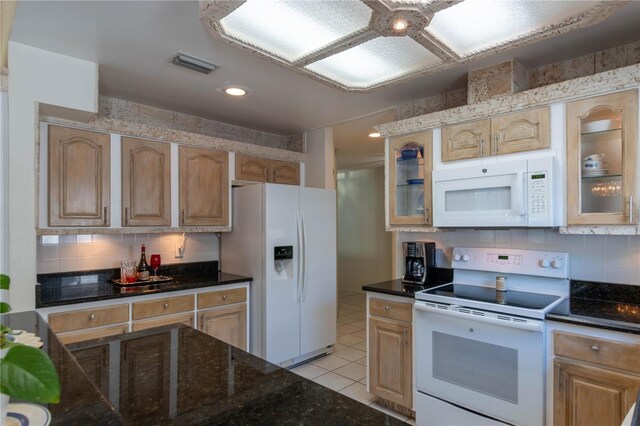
{"points": [[4, 186], [364, 247], [608, 258], [86, 252], [36, 76], [320, 168]]}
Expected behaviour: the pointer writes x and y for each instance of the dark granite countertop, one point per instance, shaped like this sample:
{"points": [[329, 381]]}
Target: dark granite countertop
{"points": [[436, 277], [81, 403], [176, 375], [602, 305], [89, 286]]}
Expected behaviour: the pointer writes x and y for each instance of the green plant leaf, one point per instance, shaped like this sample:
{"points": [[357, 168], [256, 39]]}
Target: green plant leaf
{"points": [[4, 282], [4, 308], [4, 329], [28, 373]]}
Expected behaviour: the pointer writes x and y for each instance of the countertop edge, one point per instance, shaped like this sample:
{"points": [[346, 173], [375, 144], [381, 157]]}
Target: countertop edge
{"points": [[595, 323]]}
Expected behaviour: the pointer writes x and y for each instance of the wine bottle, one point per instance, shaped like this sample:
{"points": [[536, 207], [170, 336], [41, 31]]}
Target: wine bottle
{"points": [[143, 267]]}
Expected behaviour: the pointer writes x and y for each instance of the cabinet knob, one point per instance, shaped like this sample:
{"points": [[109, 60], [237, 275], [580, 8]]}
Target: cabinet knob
{"points": [[92, 317], [595, 348], [166, 305], [386, 308], [224, 297]]}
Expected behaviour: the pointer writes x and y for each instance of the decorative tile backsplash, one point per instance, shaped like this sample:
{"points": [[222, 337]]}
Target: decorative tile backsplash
{"points": [[611, 258], [65, 253]]}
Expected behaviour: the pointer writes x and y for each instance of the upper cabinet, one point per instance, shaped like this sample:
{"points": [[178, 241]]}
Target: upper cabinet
{"points": [[506, 134], [410, 166], [146, 183], [204, 186], [264, 170], [602, 144], [78, 177]]}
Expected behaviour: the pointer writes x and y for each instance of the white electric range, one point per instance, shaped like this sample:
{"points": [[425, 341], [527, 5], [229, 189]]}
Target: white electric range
{"points": [[480, 352]]}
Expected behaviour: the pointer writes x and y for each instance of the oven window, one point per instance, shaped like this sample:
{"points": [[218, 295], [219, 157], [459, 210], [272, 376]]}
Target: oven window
{"points": [[478, 366], [479, 199]]}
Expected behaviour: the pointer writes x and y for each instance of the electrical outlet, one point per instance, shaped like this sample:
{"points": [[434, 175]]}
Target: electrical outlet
{"points": [[178, 252]]}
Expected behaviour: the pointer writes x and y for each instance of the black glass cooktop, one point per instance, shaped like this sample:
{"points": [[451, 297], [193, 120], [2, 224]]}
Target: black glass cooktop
{"points": [[518, 299]]}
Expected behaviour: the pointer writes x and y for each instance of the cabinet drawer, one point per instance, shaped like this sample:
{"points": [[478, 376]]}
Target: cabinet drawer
{"points": [[609, 353], [222, 297], [88, 318], [186, 319], [81, 336], [392, 310], [158, 307]]}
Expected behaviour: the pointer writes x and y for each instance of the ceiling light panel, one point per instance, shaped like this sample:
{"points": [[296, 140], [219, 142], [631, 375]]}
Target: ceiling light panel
{"points": [[375, 62], [477, 25], [294, 28]]}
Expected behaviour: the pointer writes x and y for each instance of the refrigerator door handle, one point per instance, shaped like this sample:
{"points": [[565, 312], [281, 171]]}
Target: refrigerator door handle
{"points": [[304, 256], [299, 258]]}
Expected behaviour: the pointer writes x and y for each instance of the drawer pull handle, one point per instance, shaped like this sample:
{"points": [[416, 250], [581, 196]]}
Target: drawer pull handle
{"points": [[224, 297], [92, 317], [595, 348], [386, 308], [166, 305]]}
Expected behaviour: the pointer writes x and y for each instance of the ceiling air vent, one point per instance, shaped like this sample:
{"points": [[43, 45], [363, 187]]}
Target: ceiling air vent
{"points": [[193, 63]]}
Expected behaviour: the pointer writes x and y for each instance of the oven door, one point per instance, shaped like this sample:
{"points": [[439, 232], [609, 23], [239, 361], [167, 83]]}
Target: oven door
{"points": [[487, 365], [492, 195]]}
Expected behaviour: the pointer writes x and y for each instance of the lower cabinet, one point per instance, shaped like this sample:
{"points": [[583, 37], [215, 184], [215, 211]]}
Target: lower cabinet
{"points": [[596, 381], [390, 354], [228, 323]]}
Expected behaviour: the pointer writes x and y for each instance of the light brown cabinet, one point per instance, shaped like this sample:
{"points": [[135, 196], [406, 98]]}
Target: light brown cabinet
{"points": [[78, 177], [410, 166], [603, 192], [265, 170], [204, 186], [506, 134], [146, 183], [596, 381], [390, 348], [228, 324]]}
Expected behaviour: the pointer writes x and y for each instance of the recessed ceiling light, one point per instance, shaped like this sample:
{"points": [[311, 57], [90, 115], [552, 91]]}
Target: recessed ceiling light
{"points": [[400, 25], [235, 91], [374, 135]]}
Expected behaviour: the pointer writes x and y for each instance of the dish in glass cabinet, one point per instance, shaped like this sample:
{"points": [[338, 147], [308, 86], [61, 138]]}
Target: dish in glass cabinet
{"points": [[415, 182], [601, 126]]}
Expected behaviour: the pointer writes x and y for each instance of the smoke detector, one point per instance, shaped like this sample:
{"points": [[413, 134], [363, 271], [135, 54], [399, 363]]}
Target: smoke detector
{"points": [[193, 63]]}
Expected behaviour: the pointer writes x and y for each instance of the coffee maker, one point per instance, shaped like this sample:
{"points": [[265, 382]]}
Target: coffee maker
{"points": [[419, 256]]}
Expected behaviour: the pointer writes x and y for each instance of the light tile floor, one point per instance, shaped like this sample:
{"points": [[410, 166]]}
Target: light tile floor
{"points": [[345, 370]]}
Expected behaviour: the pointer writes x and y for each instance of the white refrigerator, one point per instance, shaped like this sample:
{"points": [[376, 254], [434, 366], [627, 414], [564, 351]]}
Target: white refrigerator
{"points": [[293, 300]]}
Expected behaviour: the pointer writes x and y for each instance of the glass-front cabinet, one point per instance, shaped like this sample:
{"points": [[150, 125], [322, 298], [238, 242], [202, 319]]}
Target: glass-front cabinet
{"points": [[602, 144], [410, 179]]}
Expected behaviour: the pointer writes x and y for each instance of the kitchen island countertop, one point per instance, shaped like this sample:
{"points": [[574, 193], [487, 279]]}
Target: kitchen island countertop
{"points": [[177, 375]]}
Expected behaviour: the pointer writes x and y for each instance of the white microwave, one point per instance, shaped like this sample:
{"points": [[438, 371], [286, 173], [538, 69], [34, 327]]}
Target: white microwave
{"points": [[518, 193]]}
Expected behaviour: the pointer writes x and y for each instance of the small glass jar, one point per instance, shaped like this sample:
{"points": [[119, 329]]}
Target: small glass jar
{"points": [[501, 283]]}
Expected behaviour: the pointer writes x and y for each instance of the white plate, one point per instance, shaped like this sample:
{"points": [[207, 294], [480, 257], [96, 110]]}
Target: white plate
{"points": [[26, 414], [601, 126]]}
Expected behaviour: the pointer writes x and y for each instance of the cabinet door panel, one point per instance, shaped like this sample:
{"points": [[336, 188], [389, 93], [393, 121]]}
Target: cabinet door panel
{"points": [[144, 378], [521, 131], [409, 182], [390, 361], [468, 140], [228, 324], [146, 183], [204, 186], [285, 172], [78, 177], [592, 396], [604, 125], [252, 168]]}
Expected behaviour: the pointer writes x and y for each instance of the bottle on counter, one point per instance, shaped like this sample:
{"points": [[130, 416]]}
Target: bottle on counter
{"points": [[143, 266]]}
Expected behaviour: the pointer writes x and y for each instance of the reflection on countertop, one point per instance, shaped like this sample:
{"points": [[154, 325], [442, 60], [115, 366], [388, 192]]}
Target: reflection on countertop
{"points": [[90, 286], [602, 305], [436, 277]]}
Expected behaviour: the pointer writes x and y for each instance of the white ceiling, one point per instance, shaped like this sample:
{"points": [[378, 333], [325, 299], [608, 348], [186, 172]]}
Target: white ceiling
{"points": [[133, 41]]}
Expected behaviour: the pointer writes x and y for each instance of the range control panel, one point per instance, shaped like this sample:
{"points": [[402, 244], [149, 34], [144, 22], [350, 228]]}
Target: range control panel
{"points": [[527, 262]]}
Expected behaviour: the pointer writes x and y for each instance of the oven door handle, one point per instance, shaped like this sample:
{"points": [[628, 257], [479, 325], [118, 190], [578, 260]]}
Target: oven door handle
{"points": [[530, 325]]}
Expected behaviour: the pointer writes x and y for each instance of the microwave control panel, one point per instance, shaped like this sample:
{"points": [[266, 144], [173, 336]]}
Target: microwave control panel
{"points": [[538, 189]]}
